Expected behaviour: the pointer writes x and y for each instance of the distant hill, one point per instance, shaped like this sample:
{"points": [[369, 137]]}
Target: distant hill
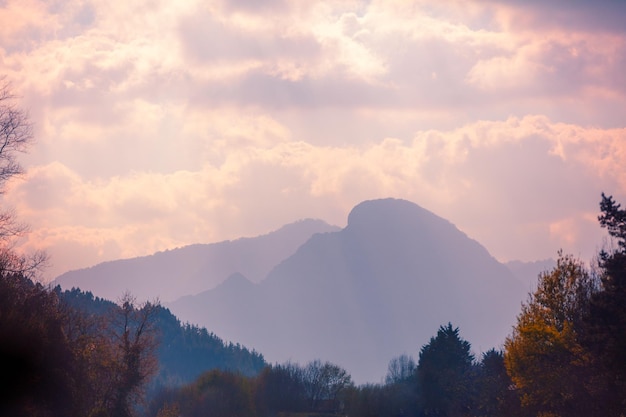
{"points": [[184, 351], [528, 272], [191, 269], [364, 294]]}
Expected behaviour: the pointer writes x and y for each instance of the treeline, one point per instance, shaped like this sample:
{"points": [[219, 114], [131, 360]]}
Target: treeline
{"points": [[287, 388], [446, 381], [183, 350]]}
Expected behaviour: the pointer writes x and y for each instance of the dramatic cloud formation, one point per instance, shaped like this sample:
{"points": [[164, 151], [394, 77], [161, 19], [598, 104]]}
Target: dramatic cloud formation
{"points": [[163, 123]]}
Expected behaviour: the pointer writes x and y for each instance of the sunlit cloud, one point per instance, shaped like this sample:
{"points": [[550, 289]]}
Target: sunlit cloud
{"points": [[531, 171]]}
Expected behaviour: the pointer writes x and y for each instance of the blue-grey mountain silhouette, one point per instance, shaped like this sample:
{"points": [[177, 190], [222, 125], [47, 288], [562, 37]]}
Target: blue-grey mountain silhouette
{"points": [[172, 274], [378, 288]]}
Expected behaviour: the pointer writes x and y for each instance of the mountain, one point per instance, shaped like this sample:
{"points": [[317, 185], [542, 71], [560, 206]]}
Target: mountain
{"points": [[188, 270], [528, 272], [362, 295]]}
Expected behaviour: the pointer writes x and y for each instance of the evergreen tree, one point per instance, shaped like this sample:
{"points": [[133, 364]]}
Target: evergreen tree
{"points": [[494, 394], [606, 321], [444, 374]]}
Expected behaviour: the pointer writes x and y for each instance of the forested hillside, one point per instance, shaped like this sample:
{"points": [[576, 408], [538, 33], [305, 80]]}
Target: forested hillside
{"points": [[183, 351], [66, 353]]}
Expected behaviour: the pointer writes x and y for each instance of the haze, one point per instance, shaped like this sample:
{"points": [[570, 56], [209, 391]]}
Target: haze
{"points": [[163, 123]]}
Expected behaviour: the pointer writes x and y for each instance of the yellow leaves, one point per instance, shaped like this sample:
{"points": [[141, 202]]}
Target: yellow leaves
{"points": [[544, 357]]}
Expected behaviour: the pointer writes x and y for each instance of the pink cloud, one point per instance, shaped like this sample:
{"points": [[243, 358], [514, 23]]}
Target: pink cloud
{"points": [[531, 172]]}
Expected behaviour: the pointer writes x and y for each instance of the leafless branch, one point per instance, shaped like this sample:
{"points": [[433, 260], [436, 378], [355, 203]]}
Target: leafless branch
{"points": [[16, 135]]}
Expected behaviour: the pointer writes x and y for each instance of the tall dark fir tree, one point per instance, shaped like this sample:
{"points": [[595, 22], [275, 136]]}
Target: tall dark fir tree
{"points": [[607, 316], [444, 374]]}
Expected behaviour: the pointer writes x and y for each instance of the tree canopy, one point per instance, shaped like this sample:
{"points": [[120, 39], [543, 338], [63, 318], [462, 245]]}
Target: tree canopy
{"points": [[567, 353], [544, 355], [444, 371]]}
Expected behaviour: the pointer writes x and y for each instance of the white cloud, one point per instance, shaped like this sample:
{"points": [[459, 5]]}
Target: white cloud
{"points": [[492, 179]]}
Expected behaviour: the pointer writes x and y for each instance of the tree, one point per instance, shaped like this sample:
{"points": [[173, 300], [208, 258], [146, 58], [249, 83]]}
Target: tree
{"points": [[135, 359], [36, 361], [613, 218], [494, 394], [400, 369], [544, 355], [60, 360], [215, 393], [323, 383], [92, 353], [16, 135], [372, 400], [606, 322], [444, 374], [281, 388]]}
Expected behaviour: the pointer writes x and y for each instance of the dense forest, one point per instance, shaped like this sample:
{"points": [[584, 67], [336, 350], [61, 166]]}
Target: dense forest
{"points": [[183, 351]]}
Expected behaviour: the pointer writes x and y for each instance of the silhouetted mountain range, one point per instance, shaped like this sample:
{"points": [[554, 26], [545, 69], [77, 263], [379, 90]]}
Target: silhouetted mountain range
{"points": [[191, 269], [359, 296]]}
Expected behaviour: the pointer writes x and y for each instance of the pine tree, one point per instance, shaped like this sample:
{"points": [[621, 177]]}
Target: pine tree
{"points": [[444, 374]]}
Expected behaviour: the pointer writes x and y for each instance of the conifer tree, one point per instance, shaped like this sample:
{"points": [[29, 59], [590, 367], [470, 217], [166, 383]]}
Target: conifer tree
{"points": [[444, 373]]}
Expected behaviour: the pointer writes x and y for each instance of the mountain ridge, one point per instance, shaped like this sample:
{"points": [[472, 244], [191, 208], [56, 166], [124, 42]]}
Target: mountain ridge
{"points": [[174, 273], [373, 290]]}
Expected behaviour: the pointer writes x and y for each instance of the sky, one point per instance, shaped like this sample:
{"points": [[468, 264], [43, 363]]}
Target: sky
{"points": [[162, 123]]}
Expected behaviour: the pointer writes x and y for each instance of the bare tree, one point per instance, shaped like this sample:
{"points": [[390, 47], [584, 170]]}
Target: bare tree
{"points": [[16, 135], [324, 382], [400, 369], [134, 334]]}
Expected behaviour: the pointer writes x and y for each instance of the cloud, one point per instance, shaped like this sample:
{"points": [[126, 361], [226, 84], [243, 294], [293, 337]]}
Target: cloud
{"points": [[383, 55], [575, 16], [526, 179], [256, 6], [557, 67], [208, 39]]}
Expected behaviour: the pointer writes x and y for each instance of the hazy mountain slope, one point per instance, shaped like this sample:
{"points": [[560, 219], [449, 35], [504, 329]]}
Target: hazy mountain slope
{"points": [[528, 272], [378, 288], [191, 269]]}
